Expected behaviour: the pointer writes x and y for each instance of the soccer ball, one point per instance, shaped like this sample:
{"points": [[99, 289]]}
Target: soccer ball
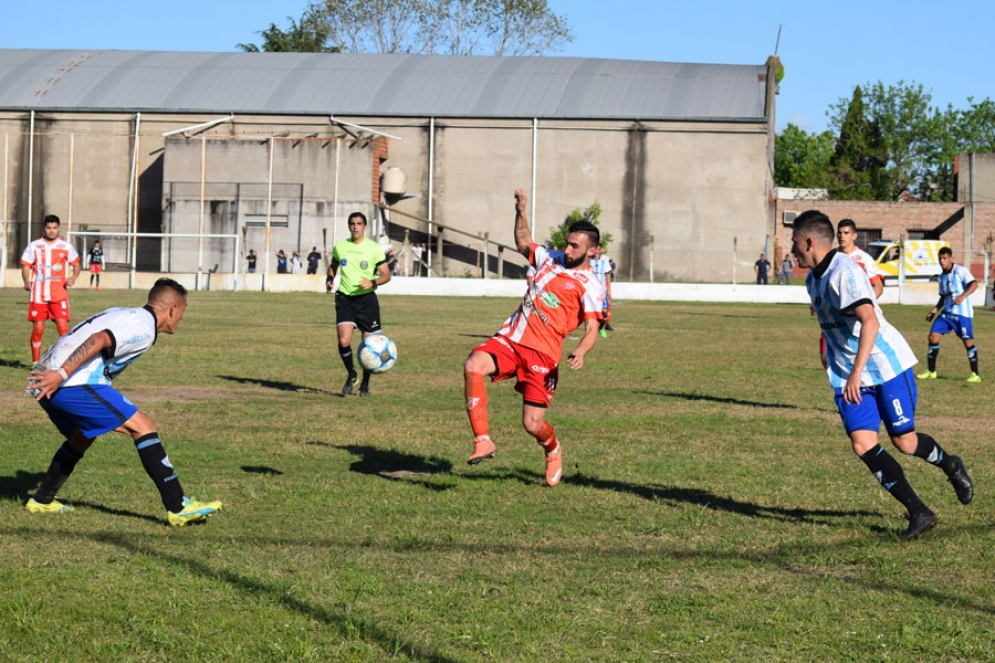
{"points": [[377, 353]]}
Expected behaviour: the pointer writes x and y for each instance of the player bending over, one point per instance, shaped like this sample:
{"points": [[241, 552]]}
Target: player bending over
{"points": [[73, 385]]}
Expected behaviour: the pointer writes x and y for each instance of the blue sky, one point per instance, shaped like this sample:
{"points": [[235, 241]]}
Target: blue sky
{"points": [[946, 47]]}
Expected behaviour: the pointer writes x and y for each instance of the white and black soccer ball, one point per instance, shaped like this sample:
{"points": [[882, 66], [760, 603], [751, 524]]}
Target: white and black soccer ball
{"points": [[377, 353]]}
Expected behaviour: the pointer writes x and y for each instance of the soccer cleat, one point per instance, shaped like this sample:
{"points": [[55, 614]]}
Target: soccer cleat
{"points": [[192, 512], [960, 481], [349, 382], [927, 375], [55, 506], [482, 448], [919, 524], [554, 466], [974, 378], [364, 392], [602, 333]]}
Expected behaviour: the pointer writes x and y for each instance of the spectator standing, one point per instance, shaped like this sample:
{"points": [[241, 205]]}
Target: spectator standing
{"points": [[761, 267], [785, 271], [251, 259], [313, 259], [281, 262]]}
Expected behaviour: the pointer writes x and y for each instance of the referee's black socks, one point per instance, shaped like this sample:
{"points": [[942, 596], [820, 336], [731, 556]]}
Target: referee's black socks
{"points": [[346, 354]]}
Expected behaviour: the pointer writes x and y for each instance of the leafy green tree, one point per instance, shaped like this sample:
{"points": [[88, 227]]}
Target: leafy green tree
{"points": [[558, 234], [451, 27], [308, 36], [855, 168], [801, 159]]}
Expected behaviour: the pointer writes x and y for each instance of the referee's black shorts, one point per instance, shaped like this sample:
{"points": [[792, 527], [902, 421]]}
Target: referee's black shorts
{"points": [[362, 311]]}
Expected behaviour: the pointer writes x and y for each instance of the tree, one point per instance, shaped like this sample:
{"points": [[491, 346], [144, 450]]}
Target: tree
{"points": [[855, 167], [558, 234], [801, 159], [450, 27], [308, 36]]}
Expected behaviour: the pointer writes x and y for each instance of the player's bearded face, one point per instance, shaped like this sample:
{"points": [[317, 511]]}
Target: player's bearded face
{"points": [[576, 250]]}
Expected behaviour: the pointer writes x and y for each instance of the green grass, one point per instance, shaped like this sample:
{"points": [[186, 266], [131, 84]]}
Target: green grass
{"points": [[711, 509]]}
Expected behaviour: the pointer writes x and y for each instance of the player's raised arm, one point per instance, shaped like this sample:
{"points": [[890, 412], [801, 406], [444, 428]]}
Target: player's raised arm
{"points": [[523, 235]]}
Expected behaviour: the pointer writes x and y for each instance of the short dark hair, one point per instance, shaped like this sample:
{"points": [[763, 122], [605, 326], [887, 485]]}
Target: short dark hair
{"points": [[51, 218], [813, 222], [847, 223], [589, 229], [166, 283], [359, 215], [946, 251]]}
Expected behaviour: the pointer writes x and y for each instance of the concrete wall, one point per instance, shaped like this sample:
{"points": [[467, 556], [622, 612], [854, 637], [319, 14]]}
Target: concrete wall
{"points": [[674, 195], [918, 294]]}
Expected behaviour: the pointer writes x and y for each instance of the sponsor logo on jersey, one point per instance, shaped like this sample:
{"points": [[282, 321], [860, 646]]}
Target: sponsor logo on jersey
{"points": [[550, 300], [540, 369], [57, 267]]}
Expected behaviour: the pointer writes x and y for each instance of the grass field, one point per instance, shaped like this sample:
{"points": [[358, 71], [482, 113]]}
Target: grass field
{"points": [[711, 509]]}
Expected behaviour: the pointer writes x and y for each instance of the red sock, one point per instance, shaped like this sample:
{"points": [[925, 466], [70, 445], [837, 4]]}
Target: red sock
{"points": [[547, 438], [62, 326], [37, 331], [476, 402]]}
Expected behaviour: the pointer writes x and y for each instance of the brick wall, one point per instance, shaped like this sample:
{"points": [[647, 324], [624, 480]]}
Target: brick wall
{"points": [[893, 219], [381, 146]]}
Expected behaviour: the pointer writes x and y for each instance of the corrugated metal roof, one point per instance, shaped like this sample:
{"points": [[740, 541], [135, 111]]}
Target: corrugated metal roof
{"points": [[378, 85]]}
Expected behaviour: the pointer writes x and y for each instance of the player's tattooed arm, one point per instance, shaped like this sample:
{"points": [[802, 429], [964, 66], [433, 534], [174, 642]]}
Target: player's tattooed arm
{"points": [[48, 382], [523, 235]]}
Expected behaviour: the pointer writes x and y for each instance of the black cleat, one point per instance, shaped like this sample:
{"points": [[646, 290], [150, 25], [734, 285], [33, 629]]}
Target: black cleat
{"points": [[349, 381], [919, 524], [364, 392], [961, 482]]}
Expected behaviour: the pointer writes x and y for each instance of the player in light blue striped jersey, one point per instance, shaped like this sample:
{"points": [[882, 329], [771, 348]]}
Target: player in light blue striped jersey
{"points": [[956, 314], [870, 370]]}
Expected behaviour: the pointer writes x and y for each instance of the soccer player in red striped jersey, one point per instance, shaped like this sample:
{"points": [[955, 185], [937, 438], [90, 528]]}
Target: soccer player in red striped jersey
{"points": [[45, 267], [528, 347]]}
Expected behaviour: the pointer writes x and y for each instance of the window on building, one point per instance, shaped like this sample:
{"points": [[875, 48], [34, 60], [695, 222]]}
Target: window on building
{"points": [[866, 236]]}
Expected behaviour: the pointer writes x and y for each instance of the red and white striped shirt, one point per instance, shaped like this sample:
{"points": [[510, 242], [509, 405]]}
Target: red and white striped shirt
{"points": [[557, 302], [49, 262]]}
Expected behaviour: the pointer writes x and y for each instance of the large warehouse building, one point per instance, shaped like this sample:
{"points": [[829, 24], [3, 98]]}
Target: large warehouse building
{"points": [[181, 162]]}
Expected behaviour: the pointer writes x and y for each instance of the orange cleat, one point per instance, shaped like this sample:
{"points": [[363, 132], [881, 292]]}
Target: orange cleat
{"points": [[554, 466], [482, 448]]}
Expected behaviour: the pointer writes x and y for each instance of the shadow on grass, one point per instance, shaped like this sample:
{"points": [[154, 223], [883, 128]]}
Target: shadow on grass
{"points": [[693, 396], [276, 384], [397, 466], [121, 512], [694, 496], [18, 486], [704, 498], [261, 469], [18, 364], [348, 623]]}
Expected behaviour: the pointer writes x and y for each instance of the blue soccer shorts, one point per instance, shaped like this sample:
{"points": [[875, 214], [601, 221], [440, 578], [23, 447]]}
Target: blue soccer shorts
{"points": [[893, 402], [958, 324], [94, 409]]}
